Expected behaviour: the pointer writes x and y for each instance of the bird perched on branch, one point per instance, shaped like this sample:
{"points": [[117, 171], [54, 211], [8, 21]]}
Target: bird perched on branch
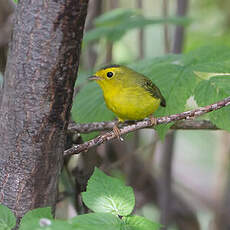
{"points": [[130, 95]]}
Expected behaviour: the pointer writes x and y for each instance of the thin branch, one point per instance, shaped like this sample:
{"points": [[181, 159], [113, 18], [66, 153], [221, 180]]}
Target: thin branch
{"points": [[91, 127], [146, 124], [108, 125]]}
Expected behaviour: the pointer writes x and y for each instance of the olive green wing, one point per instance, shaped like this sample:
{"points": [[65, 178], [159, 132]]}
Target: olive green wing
{"points": [[143, 81], [153, 90]]}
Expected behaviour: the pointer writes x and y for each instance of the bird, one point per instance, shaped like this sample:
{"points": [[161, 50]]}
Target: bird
{"points": [[128, 94]]}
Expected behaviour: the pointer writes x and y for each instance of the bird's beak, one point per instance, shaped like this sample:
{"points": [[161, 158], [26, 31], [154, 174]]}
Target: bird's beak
{"points": [[91, 78]]}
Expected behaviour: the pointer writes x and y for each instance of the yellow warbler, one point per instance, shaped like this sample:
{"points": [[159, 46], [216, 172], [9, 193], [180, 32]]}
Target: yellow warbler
{"points": [[130, 95]]}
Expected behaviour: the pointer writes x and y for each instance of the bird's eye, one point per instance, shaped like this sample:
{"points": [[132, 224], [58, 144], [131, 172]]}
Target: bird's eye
{"points": [[109, 74]]}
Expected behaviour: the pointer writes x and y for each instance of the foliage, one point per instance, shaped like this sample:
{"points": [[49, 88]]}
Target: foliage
{"points": [[114, 24], [32, 218], [180, 78], [7, 218], [111, 201], [106, 194]]}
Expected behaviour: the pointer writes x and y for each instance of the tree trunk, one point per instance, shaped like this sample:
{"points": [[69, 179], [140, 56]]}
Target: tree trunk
{"points": [[37, 97]]}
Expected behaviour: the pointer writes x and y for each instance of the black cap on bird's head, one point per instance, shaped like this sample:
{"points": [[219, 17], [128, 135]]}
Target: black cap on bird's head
{"points": [[111, 66]]}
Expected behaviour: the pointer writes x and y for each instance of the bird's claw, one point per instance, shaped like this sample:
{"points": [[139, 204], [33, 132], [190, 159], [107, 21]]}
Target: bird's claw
{"points": [[153, 120], [117, 133]]}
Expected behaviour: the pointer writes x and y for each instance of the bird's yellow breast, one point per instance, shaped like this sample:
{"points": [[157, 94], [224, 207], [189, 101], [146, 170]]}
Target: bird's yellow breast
{"points": [[134, 103]]}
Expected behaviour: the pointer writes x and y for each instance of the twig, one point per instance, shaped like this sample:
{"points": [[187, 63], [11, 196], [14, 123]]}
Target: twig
{"points": [[91, 127], [145, 124], [108, 125]]}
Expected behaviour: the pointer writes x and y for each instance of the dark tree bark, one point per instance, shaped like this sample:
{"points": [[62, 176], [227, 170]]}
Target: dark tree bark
{"points": [[37, 97]]}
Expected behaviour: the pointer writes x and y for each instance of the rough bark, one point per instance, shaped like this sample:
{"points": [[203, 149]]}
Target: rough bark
{"points": [[37, 96]]}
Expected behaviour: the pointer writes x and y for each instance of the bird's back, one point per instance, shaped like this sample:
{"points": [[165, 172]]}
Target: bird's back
{"points": [[143, 82]]}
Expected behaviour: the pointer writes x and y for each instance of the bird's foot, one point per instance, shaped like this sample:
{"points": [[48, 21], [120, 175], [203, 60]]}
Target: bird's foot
{"points": [[117, 132], [153, 120]]}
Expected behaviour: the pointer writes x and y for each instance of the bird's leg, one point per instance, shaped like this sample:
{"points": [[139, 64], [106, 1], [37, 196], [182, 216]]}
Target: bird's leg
{"points": [[117, 131], [153, 120]]}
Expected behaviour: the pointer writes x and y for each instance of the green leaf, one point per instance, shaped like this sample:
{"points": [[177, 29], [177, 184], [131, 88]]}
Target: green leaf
{"points": [[83, 104], [216, 89], [211, 67], [82, 77], [114, 24], [109, 195], [213, 87], [42, 219], [7, 218], [47, 224], [115, 16], [139, 223], [97, 221], [34, 216], [208, 76]]}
